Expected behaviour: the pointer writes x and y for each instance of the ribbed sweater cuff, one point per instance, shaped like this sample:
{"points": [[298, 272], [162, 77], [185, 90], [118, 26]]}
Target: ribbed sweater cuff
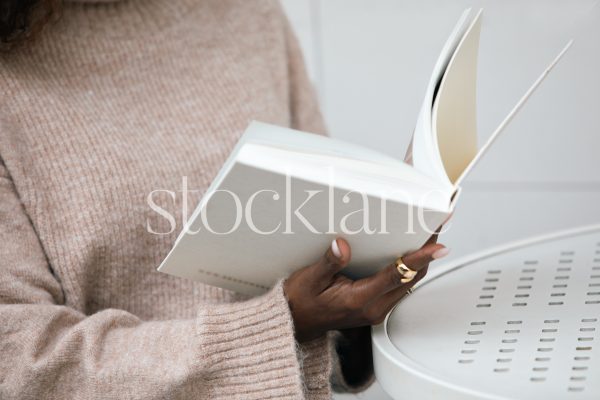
{"points": [[251, 353], [316, 363]]}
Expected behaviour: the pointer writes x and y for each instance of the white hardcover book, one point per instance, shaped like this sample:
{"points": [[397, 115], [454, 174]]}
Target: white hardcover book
{"points": [[283, 195]]}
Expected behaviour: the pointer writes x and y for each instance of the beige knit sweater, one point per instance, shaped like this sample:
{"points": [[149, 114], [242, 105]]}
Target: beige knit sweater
{"points": [[116, 100]]}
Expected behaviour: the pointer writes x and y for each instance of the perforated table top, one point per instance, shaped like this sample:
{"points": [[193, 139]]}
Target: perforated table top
{"points": [[519, 322]]}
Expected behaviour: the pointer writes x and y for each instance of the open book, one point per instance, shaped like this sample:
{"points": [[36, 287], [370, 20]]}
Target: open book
{"points": [[283, 195]]}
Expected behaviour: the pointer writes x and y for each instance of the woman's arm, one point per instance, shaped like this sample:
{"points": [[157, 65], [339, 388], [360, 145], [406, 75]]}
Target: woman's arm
{"points": [[51, 351]]}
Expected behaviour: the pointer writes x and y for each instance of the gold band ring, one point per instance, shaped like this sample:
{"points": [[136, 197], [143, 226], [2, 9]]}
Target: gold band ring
{"points": [[406, 273]]}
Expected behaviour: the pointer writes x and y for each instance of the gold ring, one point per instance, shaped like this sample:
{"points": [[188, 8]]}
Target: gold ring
{"points": [[406, 273]]}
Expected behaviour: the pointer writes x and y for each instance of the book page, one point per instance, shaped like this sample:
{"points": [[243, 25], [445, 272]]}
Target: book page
{"points": [[423, 150], [511, 115], [455, 107]]}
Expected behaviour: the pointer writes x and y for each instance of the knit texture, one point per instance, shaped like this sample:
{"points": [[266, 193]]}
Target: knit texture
{"points": [[115, 101]]}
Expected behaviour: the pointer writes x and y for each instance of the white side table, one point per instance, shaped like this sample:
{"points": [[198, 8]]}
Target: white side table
{"points": [[517, 322]]}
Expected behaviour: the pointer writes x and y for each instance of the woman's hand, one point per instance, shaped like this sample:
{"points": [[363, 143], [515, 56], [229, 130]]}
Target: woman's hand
{"points": [[321, 299]]}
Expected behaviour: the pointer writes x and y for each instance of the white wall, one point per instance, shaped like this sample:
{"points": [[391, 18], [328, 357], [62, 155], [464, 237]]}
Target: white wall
{"points": [[371, 59]]}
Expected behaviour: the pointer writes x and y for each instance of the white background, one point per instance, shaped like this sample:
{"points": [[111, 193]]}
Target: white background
{"points": [[371, 59]]}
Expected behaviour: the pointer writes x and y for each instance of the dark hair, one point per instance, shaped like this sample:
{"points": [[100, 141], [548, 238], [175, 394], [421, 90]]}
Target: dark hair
{"points": [[21, 20]]}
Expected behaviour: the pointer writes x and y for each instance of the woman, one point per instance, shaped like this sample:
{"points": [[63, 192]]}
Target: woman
{"points": [[115, 100]]}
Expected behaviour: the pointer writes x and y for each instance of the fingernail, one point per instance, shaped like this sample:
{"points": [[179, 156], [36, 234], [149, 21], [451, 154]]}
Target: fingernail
{"points": [[443, 252], [335, 249]]}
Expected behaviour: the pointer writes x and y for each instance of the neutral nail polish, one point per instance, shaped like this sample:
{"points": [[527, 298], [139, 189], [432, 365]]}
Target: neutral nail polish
{"points": [[443, 252], [335, 249]]}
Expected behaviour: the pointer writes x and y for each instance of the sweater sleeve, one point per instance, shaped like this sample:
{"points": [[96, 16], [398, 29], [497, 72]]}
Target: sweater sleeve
{"points": [[346, 374], [242, 350]]}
